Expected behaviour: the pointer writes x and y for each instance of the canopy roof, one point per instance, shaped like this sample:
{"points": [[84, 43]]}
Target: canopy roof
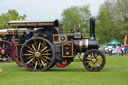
{"points": [[33, 24], [113, 42]]}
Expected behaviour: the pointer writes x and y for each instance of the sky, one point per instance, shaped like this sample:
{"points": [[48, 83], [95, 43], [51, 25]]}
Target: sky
{"points": [[46, 9]]}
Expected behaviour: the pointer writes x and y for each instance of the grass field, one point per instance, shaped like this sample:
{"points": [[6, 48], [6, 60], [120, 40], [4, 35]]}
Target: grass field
{"points": [[115, 72]]}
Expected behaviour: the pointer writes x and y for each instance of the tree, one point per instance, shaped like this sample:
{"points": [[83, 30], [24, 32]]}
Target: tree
{"points": [[76, 15], [10, 15], [112, 21], [121, 9], [104, 23]]}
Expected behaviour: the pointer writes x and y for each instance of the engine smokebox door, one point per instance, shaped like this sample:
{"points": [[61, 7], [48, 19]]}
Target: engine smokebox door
{"points": [[67, 49]]}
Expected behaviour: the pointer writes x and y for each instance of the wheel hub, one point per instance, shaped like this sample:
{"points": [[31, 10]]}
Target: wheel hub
{"points": [[37, 54], [94, 60], [2, 52]]}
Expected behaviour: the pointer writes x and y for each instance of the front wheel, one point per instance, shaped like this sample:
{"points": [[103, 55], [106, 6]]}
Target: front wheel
{"points": [[94, 60]]}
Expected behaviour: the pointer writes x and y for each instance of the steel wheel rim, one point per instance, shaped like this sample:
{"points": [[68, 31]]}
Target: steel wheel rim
{"points": [[94, 60], [5, 51], [37, 54]]}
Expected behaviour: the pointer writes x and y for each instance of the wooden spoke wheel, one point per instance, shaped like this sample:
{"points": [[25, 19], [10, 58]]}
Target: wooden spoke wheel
{"points": [[5, 51], [94, 60], [37, 54], [62, 64]]}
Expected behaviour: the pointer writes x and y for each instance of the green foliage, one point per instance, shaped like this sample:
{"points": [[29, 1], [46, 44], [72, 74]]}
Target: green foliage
{"points": [[76, 15], [112, 21], [10, 15]]}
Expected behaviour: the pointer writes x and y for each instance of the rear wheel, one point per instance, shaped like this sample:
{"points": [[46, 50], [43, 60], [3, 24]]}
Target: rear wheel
{"points": [[37, 54]]}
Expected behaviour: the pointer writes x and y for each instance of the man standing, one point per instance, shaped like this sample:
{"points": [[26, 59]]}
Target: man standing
{"points": [[118, 50], [122, 50], [110, 50], [126, 50]]}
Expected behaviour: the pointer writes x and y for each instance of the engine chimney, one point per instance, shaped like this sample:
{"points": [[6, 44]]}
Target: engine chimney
{"points": [[92, 28]]}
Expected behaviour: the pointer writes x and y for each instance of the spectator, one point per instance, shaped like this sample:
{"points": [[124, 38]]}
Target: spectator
{"points": [[122, 50], [110, 50], [13, 40], [106, 50], [126, 50], [118, 50]]}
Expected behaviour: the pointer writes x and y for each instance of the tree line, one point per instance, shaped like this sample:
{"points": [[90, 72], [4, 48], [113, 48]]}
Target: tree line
{"points": [[111, 21], [10, 15]]}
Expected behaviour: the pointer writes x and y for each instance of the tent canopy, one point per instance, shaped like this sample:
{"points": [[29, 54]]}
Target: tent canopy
{"points": [[113, 42]]}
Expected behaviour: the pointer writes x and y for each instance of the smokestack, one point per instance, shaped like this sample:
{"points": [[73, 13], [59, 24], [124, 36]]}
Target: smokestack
{"points": [[92, 28]]}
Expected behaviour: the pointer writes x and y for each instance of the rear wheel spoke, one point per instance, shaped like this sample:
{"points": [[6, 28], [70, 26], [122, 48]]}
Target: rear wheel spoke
{"points": [[44, 49], [30, 51], [30, 61], [28, 54], [35, 65], [39, 46], [34, 47], [43, 63]]}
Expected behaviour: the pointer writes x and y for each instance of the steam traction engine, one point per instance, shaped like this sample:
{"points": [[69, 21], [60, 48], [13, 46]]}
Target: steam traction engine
{"points": [[7, 48], [47, 46]]}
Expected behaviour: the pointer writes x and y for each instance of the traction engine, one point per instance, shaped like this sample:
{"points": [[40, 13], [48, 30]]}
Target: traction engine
{"points": [[48, 47], [7, 48]]}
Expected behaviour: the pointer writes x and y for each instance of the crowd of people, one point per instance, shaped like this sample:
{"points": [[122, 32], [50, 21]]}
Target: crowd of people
{"points": [[119, 50]]}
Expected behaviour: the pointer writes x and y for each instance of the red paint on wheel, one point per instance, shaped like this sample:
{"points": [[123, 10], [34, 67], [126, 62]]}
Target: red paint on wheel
{"points": [[13, 52], [63, 64], [19, 62]]}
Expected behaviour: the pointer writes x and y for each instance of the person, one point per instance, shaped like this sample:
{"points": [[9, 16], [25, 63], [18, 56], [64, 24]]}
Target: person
{"points": [[118, 50], [126, 50], [106, 50], [13, 40], [110, 50], [122, 50]]}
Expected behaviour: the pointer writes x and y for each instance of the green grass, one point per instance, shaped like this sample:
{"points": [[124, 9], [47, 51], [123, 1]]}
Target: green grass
{"points": [[115, 72]]}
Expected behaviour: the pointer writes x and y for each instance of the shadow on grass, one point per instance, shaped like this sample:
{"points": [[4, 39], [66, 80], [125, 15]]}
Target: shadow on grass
{"points": [[59, 70], [65, 70]]}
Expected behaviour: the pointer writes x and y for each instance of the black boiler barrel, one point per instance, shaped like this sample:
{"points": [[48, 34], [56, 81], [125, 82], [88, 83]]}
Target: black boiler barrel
{"points": [[84, 45]]}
